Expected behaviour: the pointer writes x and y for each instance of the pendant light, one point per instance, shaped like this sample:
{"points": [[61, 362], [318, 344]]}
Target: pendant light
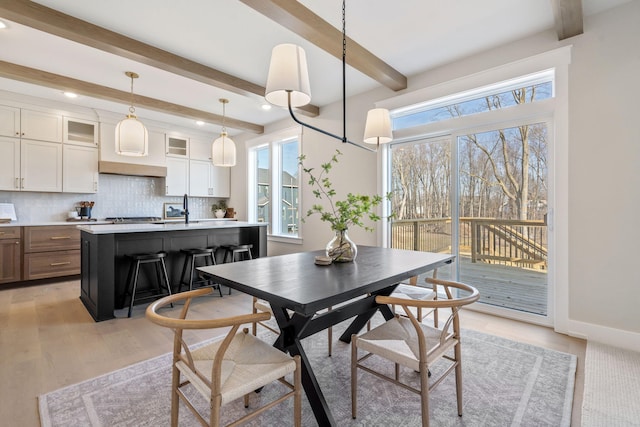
{"points": [[223, 149], [288, 86], [132, 138]]}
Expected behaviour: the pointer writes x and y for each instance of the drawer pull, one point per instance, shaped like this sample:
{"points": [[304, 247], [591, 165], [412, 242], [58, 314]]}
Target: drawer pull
{"points": [[60, 237], [55, 264]]}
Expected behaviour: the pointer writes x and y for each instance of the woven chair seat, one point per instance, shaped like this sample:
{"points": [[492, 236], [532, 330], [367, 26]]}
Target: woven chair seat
{"points": [[397, 341], [248, 364]]}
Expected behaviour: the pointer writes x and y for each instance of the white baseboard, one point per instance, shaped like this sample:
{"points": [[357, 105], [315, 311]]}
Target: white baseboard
{"points": [[603, 334]]}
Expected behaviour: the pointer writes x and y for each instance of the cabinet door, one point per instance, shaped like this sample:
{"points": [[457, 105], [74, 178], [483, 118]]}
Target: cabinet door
{"points": [[177, 180], [200, 178], [220, 181], [40, 125], [80, 132], [9, 121], [79, 169], [10, 251], [9, 164], [177, 146], [40, 166], [200, 149]]}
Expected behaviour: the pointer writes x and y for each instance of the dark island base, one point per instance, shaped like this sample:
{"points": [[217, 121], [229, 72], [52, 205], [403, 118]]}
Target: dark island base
{"points": [[105, 265]]}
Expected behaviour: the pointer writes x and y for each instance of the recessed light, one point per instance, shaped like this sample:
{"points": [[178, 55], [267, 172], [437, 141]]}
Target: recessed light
{"points": [[70, 94], [2, 25], [199, 122], [266, 107]]}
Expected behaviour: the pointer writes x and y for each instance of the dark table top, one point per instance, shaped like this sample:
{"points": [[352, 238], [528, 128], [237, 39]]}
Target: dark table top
{"points": [[295, 282]]}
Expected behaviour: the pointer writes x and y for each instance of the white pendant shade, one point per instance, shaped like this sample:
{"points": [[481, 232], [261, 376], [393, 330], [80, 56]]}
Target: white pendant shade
{"points": [[377, 129], [132, 138], [288, 73], [223, 151]]}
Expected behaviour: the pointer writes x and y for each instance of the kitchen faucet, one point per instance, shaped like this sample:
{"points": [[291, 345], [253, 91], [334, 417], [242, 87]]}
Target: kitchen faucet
{"points": [[185, 207]]}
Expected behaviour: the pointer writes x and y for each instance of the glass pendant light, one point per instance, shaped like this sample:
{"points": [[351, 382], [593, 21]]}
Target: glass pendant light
{"points": [[223, 149], [132, 138]]}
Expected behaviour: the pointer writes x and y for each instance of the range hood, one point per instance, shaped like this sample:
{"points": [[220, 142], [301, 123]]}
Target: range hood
{"points": [[118, 168]]}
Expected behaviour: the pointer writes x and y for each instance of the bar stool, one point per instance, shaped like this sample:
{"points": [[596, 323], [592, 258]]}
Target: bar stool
{"points": [[231, 251], [189, 267], [134, 270]]}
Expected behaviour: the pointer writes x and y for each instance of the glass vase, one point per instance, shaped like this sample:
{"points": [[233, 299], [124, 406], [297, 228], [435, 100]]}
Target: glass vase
{"points": [[341, 248]]}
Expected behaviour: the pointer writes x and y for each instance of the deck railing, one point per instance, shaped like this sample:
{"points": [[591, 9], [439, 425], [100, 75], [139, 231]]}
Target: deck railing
{"points": [[494, 241]]}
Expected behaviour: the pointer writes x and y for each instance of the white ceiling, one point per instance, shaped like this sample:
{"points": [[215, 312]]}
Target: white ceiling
{"points": [[410, 35]]}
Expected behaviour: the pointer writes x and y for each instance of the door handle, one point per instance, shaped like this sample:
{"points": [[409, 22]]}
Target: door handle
{"points": [[56, 264], [60, 237]]}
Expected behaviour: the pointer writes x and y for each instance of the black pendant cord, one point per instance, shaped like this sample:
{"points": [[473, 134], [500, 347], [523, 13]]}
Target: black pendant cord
{"points": [[342, 138], [344, 73]]}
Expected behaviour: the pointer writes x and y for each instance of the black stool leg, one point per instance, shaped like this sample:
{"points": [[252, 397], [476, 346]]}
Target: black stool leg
{"points": [[184, 271], [135, 284]]}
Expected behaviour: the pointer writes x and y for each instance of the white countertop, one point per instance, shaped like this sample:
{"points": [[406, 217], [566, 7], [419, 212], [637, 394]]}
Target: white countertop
{"points": [[49, 223], [173, 226]]}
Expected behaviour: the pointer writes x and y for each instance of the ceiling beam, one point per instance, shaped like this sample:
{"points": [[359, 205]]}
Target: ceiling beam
{"points": [[51, 21], [56, 81], [302, 21], [568, 18]]}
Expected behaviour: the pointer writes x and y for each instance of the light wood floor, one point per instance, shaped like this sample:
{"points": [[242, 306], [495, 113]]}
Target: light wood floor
{"points": [[48, 341]]}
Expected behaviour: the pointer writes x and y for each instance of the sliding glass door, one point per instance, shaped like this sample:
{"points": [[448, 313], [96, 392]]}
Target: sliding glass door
{"points": [[481, 195]]}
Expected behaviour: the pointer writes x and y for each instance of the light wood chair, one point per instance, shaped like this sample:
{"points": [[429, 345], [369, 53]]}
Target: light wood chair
{"points": [[418, 293], [415, 345], [227, 369]]}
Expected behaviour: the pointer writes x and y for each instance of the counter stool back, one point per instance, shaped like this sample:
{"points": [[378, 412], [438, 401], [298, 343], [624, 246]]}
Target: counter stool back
{"points": [[233, 253], [161, 273], [189, 275]]}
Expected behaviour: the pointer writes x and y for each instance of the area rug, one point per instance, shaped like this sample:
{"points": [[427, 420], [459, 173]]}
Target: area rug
{"points": [[611, 386], [506, 383]]}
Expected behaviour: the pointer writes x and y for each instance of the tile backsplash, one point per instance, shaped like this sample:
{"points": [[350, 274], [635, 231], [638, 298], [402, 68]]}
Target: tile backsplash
{"points": [[118, 196]]}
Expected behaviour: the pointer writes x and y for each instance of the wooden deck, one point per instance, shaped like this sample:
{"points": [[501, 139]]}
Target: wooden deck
{"points": [[510, 287]]}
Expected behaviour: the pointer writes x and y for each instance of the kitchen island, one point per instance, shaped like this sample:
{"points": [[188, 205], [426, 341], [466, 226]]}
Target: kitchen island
{"points": [[104, 250]]}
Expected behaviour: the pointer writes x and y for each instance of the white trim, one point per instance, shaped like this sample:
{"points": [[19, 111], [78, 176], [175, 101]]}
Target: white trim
{"points": [[605, 335], [541, 62]]}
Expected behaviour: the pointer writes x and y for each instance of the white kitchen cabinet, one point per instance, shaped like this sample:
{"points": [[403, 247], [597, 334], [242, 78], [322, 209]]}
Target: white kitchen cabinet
{"points": [[199, 178], [9, 164], [200, 149], [9, 121], [40, 166], [79, 169], [206, 180], [80, 132], [221, 181], [27, 165], [31, 124], [177, 180], [177, 146]]}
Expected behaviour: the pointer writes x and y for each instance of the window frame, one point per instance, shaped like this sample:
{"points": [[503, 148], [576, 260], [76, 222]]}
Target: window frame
{"points": [[274, 144]]}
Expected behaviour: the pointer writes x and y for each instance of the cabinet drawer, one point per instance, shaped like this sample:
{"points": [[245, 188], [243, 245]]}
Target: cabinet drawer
{"points": [[48, 264], [9, 232], [55, 238]]}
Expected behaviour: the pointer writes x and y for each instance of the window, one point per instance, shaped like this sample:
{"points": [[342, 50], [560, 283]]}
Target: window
{"points": [[273, 185], [503, 95]]}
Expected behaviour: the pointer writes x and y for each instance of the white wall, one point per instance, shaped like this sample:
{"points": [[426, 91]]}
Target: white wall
{"points": [[604, 159]]}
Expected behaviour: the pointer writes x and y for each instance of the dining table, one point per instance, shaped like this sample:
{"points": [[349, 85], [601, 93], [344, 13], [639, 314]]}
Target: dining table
{"points": [[307, 298]]}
